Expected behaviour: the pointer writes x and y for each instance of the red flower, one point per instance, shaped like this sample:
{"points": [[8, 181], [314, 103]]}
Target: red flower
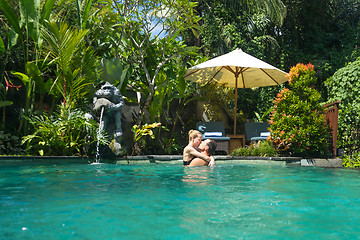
{"points": [[11, 85]]}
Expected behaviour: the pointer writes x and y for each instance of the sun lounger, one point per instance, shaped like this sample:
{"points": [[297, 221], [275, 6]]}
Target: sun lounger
{"points": [[263, 136], [215, 131], [256, 130]]}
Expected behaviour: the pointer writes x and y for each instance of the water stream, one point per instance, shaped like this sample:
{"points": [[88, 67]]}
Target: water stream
{"points": [[97, 156]]}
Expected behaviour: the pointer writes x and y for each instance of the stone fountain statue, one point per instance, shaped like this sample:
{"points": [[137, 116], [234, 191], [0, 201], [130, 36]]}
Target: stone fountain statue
{"points": [[109, 98]]}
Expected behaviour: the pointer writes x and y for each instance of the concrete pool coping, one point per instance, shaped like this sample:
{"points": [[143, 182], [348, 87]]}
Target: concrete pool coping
{"points": [[223, 159], [172, 159]]}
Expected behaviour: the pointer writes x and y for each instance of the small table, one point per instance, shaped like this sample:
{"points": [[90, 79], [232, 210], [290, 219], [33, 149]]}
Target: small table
{"points": [[236, 141]]}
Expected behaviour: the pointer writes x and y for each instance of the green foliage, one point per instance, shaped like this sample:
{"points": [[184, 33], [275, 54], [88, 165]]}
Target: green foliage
{"points": [[34, 83], [172, 96], [2, 46], [76, 64], [352, 161], [65, 133], [344, 86], [248, 25], [114, 73], [297, 124], [324, 32], [260, 149], [139, 135], [23, 20], [9, 144], [10, 16], [83, 9], [219, 100], [150, 42]]}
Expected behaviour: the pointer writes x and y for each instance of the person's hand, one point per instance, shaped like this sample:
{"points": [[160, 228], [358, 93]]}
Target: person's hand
{"points": [[212, 162]]}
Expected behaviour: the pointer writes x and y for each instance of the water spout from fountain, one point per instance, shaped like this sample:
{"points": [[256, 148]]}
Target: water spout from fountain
{"points": [[97, 156]]}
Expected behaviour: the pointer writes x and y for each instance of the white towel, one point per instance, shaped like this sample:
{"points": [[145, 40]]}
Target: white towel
{"points": [[264, 134], [213, 134]]}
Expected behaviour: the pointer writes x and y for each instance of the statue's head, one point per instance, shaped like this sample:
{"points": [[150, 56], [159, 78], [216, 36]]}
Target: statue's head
{"points": [[107, 91]]}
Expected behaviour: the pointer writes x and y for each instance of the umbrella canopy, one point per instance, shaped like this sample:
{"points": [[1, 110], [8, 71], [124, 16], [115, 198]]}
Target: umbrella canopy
{"points": [[237, 69]]}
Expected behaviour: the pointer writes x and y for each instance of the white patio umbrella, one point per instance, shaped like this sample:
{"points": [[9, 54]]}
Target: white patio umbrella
{"points": [[237, 69]]}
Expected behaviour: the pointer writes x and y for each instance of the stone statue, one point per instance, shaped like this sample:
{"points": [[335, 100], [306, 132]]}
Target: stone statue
{"points": [[110, 98]]}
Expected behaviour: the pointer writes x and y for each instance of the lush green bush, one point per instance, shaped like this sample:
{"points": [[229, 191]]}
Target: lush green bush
{"points": [[297, 123], [261, 149], [344, 85], [9, 144], [66, 133], [352, 161]]}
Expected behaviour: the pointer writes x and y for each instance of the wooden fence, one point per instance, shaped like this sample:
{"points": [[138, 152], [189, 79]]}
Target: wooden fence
{"points": [[331, 113]]}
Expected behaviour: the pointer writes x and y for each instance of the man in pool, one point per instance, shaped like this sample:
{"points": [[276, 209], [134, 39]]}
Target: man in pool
{"points": [[207, 147]]}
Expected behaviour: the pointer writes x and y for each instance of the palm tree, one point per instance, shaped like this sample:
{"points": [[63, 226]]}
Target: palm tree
{"points": [[76, 64]]}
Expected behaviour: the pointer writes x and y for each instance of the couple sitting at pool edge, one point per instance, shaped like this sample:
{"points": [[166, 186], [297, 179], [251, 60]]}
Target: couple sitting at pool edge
{"points": [[198, 152]]}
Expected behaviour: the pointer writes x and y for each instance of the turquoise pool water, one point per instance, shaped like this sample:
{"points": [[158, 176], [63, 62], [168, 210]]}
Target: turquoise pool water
{"points": [[173, 202]]}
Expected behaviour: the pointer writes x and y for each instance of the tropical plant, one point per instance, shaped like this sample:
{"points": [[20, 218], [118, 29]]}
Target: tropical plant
{"points": [[180, 93], [10, 144], [113, 71], [75, 64], [23, 23], [252, 28], [32, 15], [2, 46], [83, 13], [149, 37], [34, 83], [326, 34], [65, 133], [149, 44], [140, 131], [3, 103], [298, 126], [344, 86]]}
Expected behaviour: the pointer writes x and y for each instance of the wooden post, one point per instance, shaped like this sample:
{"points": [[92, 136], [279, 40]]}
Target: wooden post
{"points": [[331, 114], [236, 85]]}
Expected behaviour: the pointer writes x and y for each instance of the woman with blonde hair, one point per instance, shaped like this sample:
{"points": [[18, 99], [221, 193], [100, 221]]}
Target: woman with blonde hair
{"points": [[192, 151]]}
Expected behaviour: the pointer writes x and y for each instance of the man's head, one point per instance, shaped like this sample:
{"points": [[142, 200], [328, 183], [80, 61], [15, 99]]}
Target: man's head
{"points": [[208, 145]]}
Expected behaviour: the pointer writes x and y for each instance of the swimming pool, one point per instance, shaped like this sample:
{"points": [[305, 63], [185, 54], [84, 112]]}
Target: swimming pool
{"points": [[162, 201]]}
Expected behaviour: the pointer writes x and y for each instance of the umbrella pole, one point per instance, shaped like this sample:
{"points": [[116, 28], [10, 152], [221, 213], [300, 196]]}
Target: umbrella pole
{"points": [[236, 86]]}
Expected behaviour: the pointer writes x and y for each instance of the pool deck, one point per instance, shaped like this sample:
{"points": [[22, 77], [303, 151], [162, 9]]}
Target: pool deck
{"points": [[173, 159]]}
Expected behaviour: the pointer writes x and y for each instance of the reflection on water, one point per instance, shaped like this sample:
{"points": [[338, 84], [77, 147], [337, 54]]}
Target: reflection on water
{"points": [[197, 175]]}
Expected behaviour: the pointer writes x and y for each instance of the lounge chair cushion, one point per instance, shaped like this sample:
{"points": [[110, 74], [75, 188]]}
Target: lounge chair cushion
{"points": [[264, 134], [254, 129], [213, 134]]}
